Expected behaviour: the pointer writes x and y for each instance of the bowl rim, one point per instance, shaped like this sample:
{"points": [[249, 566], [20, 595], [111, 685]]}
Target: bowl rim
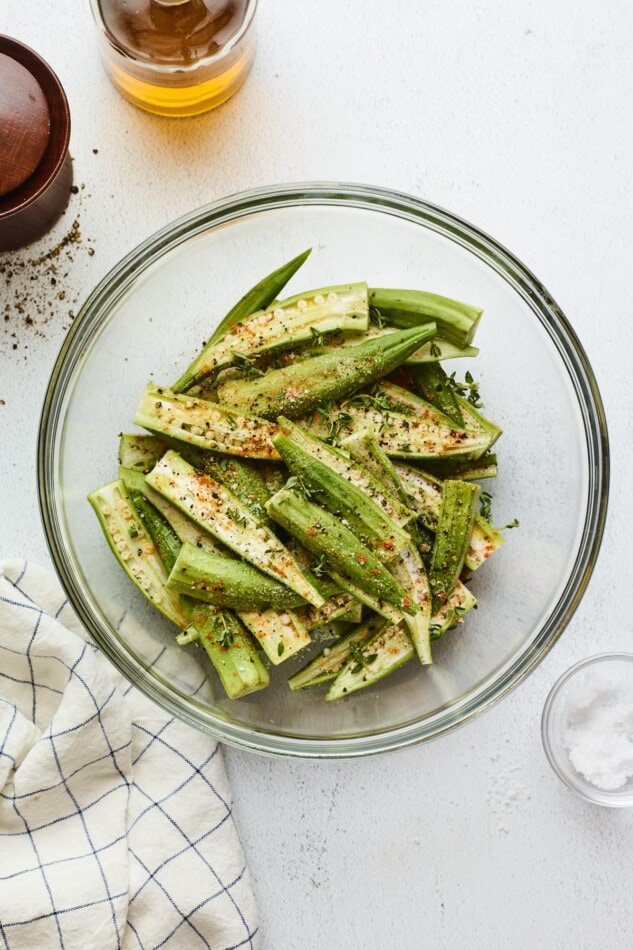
{"points": [[597, 796], [506, 265]]}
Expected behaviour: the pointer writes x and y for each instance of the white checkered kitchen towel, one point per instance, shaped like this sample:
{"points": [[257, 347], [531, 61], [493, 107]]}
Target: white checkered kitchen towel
{"points": [[115, 820]]}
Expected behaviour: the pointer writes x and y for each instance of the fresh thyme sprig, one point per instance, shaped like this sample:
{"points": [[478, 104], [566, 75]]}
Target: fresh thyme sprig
{"points": [[246, 365], [361, 660]]}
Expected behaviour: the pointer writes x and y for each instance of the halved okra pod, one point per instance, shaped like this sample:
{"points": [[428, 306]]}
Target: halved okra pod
{"points": [[328, 664], [456, 321], [140, 550], [335, 482], [326, 536], [287, 323], [425, 495], [407, 435], [301, 387], [227, 583], [376, 658], [218, 511], [257, 298], [452, 538], [430, 352], [204, 424]]}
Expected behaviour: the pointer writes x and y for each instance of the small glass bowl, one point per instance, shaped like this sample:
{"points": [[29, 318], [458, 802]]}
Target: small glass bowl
{"points": [[576, 698]]}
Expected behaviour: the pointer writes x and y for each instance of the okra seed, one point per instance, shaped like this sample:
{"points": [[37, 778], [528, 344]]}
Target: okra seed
{"points": [[279, 313], [332, 296], [319, 298], [196, 430], [189, 404], [105, 510], [285, 620], [302, 304]]}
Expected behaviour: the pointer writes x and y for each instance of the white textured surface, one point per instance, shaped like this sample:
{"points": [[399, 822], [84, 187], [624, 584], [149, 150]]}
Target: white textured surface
{"points": [[517, 118]]}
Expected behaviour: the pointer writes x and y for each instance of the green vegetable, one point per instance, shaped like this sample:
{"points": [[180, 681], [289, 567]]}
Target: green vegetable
{"points": [[302, 387], [289, 322], [218, 511], [435, 387], [204, 424], [230, 650], [227, 583], [280, 635], [407, 435], [452, 538], [257, 298], [378, 656], [242, 477], [183, 526], [409, 571], [134, 549], [140, 452], [331, 478], [324, 535], [466, 469], [425, 495], [332, 659], [455, 321]]}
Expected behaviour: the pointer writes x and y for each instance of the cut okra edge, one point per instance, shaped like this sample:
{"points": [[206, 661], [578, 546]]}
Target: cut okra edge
{"points": [[312, 475]]}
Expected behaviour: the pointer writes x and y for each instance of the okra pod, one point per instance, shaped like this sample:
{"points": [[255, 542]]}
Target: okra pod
{"points": [[330, 477], [257, 298], [324, 535], [452, 538], [331, 660], [292, 321], [452, 612], [376, 658], [227, 644], [134, 549], [301, 387], [468, 470], [433, 384], [391, 648], [379, 606], [456, 321], [409, 571], [204, 424], [404, 435], [211, 505], [231, 651], [356, 474], [261, 296], [140, 452], [183, 526], [242, 477], [227, 583], [280, 635], [425, 495]]}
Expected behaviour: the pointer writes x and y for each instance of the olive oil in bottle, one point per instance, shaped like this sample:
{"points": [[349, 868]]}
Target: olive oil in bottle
{"points": [[176, 57]]}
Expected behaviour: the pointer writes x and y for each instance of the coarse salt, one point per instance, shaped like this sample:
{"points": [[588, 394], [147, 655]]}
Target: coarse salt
{"points": [[599, 731]]}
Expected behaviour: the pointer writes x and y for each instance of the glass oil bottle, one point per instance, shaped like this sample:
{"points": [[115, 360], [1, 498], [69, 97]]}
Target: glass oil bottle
{"points": [[176, 57]]}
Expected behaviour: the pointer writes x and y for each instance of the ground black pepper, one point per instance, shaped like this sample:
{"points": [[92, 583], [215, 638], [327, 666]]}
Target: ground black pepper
{"points": [[32, 287]]}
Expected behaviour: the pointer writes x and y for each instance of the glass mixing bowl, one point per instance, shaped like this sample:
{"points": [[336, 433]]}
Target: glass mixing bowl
{"points": [[149, 316]]}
